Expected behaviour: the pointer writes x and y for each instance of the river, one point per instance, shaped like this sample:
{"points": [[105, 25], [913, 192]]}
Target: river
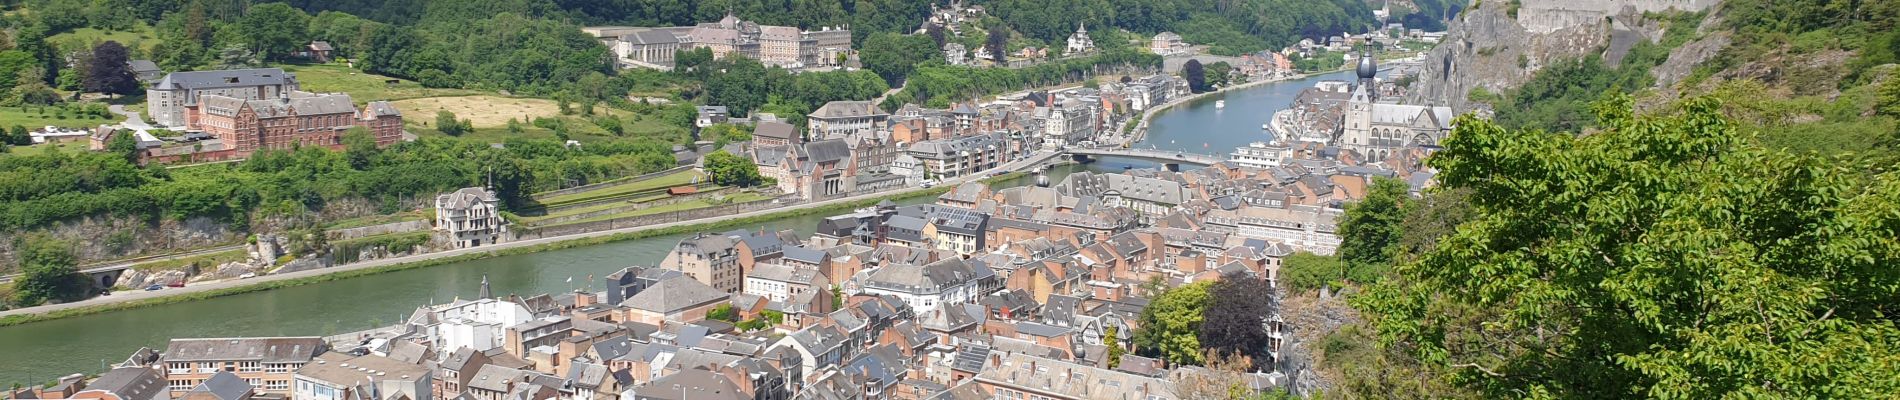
{"points": [[42, 351]]}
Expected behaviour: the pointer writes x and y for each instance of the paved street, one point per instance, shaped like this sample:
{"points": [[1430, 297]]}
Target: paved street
{"points": [[133, 120]]}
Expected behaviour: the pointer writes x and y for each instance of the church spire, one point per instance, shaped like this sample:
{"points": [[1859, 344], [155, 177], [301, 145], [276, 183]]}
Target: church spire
{"points": [[485, 293]]}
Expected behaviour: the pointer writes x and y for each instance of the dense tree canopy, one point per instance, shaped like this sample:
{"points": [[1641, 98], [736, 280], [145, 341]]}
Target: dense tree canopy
{"points": [[109, 72], [1195, 74], [49, 271], [1369, 232], [1230, 27], [1664, 256], [1236, 319], [731, 170], [894, 56], [1170, 327], [274, 30]]}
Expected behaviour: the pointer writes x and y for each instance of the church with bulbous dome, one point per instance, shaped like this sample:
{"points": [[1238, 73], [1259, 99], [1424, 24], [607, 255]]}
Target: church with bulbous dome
{"points": [[1376, 127]]}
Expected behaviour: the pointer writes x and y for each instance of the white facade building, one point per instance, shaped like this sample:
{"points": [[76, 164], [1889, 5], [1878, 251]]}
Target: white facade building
{"points": [[471, 217]]}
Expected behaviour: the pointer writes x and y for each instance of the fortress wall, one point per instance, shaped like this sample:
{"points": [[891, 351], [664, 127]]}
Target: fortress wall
{"points": [[1545, 16]]}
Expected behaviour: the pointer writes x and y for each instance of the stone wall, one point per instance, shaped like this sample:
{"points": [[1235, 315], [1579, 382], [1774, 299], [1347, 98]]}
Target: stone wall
{"points": [[383, 229], [1546, 16]]}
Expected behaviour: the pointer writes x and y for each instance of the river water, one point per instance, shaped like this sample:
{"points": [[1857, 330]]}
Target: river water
{"points": [[40, 352]]}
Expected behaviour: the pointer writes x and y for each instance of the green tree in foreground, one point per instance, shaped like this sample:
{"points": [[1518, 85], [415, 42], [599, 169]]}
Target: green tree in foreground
{"points": [[124, 144], [359, 148], [1170, 327], [49, 271], [731, 170], [1370, 231], [1665, 256]]}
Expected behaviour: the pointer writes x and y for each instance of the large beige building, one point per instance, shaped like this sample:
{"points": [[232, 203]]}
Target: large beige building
{"points": [[711, 259], [268, 364], [780, 46]]}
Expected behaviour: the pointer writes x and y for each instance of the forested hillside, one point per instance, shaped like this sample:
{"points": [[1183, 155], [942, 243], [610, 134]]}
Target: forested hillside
{"points": [[1623, 231]]}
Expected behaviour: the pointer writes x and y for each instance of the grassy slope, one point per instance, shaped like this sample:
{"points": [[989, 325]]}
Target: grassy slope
{"points": [[38, 117], [363, 86], [141, 36], [670, 180]]}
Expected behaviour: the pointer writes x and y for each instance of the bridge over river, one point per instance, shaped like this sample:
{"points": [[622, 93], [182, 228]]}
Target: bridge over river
{"points": [[1171, 160]]}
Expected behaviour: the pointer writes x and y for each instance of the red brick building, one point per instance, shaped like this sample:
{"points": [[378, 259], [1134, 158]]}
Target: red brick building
{"points": [[303, 119]]}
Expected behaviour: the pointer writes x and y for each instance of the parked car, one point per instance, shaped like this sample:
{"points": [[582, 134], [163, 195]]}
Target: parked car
{"points": [[176, 284], [154, 287], [248, 275]]}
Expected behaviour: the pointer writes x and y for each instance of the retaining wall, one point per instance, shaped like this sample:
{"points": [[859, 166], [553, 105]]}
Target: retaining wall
{"points": [[373, 230], [652, 219], [608, 184]]}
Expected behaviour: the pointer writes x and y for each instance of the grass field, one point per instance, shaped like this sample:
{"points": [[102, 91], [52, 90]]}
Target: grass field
{"points": [[35, 118], [140, 36], [483, 111], [363, 86], [664, 181], [490, 114], [67, 147]]}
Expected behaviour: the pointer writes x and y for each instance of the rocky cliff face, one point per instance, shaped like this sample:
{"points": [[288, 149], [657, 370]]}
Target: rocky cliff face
{"points": [[112, 237], [1487, 48], [102, 238]]}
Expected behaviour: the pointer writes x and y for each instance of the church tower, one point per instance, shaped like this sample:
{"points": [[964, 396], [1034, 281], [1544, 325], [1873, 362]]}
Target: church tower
{"points": [[1356, 129]]}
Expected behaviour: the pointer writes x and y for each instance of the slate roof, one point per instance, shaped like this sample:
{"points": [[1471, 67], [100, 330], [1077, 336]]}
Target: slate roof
{"points": [[268, 350], [971, 357], [223, 385], [458, 360], [213, 79], [382, 109], [847, 109], [494, 378], [802, 254], [650, 37], [674, 295], [344, 369], [778, 130], [142, 66], [132, 383], [691, 384], [935, 276], [1060, 309], [613, 347], [1035, 329], [824, 151]]}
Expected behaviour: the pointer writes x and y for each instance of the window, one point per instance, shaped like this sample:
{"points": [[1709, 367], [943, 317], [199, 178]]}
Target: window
{"points": [[276, 385]]}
